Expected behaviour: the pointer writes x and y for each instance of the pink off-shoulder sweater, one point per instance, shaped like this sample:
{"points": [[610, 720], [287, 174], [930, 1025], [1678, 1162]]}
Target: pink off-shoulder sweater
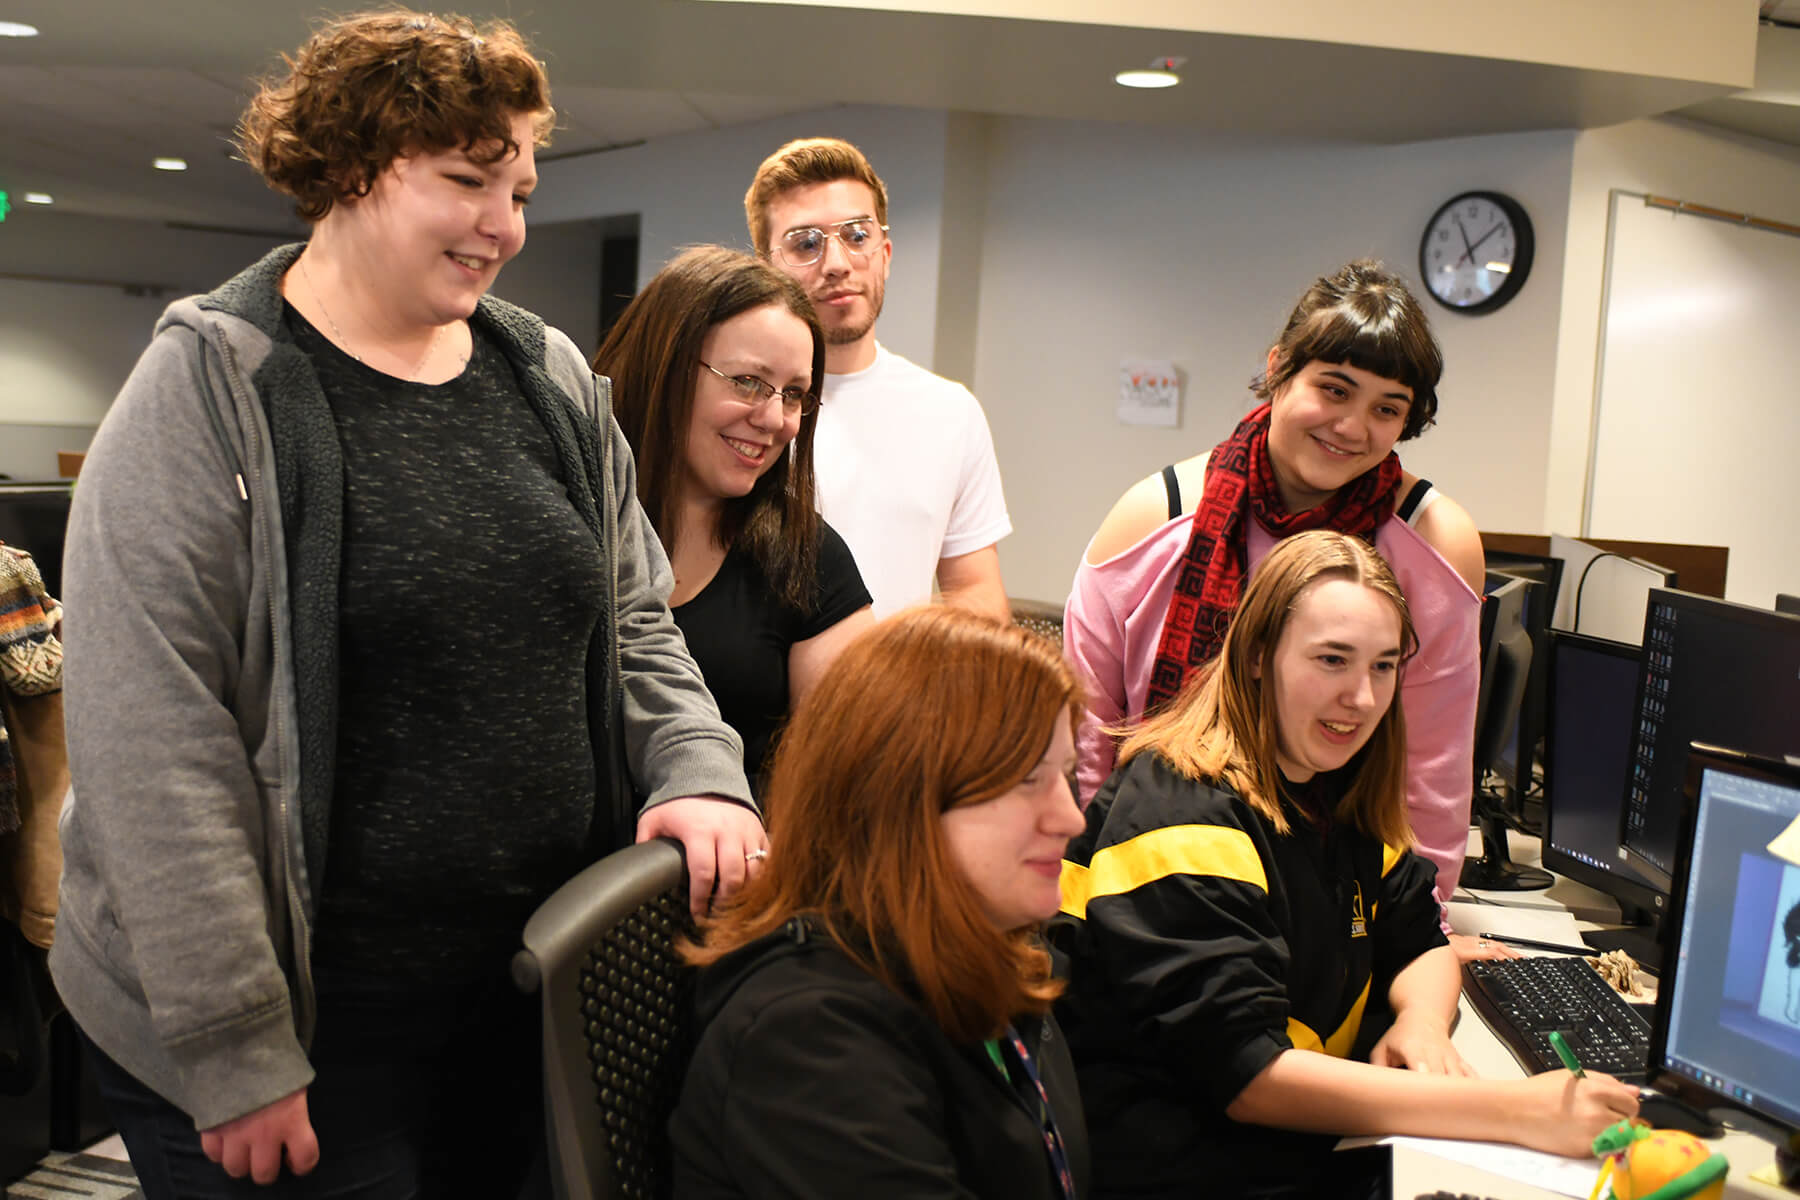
{"points": [[1114, 619]]}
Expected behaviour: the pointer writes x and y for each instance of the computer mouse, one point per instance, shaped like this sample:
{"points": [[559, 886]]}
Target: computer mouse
{"points": [[1666, 1112]]}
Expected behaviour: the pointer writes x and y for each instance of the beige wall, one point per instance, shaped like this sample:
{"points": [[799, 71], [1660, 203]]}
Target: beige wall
{"points": [[1667, 157], [1104, 242]]}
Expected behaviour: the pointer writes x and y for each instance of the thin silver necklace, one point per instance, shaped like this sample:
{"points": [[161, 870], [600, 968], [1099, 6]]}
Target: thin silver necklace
{"points": [[344, 342]]}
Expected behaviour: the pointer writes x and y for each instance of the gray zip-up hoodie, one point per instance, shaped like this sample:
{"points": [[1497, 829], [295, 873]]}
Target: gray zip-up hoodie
{"points": [[200, 590]]}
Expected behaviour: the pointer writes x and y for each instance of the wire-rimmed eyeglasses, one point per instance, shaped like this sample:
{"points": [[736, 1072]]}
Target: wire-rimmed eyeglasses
{"points": [[756, 392], [859, 236]]}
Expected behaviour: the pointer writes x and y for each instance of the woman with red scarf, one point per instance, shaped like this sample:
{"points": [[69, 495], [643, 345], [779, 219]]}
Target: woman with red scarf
{"points": [[1354, 371]]}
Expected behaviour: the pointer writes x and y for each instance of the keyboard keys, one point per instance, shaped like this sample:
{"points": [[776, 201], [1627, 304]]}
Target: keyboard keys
{"points": [[1523, 999]]}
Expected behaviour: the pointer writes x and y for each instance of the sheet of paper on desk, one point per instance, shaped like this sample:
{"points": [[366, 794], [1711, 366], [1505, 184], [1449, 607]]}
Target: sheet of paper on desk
{"points": [[1564, 1176], [1539, 924]]}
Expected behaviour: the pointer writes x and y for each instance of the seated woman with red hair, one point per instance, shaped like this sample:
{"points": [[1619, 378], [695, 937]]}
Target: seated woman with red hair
{"points": [[876, 1004]]}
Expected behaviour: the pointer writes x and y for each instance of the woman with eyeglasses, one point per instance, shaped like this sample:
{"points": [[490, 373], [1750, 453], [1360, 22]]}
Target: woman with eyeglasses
{"points": [[1353, 373], [368, 653], [715, 368]]}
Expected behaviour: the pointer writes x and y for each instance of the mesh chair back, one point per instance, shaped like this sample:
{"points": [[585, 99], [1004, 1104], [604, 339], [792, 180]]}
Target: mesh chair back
{"points": [[617, 1028]]}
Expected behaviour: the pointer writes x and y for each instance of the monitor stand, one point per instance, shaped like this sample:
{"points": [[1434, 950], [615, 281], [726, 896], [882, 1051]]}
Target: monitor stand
{"points": [[1495, 871]]}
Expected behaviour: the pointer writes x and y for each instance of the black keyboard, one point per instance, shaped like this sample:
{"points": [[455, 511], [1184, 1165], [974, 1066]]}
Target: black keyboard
{"points": [[1523, 999]]}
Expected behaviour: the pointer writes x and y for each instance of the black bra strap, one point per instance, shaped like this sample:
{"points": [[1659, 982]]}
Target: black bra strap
{"points": [[1411, 503], [1173, 487]]}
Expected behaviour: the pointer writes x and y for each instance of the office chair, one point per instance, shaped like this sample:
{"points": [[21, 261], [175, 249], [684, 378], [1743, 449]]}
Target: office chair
{"points": [[617, 1020], [1043, 619]]}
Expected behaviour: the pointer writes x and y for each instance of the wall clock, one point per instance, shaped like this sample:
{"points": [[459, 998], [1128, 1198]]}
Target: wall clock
{"points": [[1476, 252]]}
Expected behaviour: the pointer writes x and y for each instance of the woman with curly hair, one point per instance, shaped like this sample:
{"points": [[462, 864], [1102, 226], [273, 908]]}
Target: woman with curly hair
{"points": [[369, 652], [876, 1006]]}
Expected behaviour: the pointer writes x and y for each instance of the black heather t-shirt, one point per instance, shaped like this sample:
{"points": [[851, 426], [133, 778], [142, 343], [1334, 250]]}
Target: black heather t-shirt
{"points": [[739, 632], [470, 590]]}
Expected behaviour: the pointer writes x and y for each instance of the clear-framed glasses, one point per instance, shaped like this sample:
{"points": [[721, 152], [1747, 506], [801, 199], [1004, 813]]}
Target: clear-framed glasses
{"points": [[755, 392], [860, 237]]}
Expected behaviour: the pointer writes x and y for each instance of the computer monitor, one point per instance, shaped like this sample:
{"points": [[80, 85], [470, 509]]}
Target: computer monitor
{"points": [[35, 517], [1603, 593], [1517, 758], [1587, 744], [1547, 569], [1712, 671], [1727, 1027], [1505, 667]]}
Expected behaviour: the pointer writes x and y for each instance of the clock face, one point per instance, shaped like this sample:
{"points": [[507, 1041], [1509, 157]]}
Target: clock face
{"points": [[1476, 252]]}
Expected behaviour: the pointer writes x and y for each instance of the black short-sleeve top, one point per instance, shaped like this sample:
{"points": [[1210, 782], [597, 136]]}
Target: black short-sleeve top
{"points": [[740, 632]]}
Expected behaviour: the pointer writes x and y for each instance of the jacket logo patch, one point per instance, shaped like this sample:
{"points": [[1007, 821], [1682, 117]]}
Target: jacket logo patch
{"points": [[1358, 926]]}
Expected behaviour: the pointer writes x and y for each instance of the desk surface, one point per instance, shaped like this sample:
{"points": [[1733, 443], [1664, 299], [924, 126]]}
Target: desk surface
{"points": [[1417, 1172]]}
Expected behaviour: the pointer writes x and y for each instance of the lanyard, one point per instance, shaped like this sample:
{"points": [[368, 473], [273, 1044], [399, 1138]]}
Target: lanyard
{"points": [[1009, 1051]]}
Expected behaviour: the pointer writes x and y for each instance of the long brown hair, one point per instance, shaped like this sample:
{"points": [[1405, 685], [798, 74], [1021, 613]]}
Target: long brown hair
{"points": [[1223, 723], [932, 709], [652, 356]]}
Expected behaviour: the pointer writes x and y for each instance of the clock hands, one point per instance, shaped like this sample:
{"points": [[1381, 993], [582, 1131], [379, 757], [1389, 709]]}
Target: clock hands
{"points": [[1468, 250], [1498, 226]]}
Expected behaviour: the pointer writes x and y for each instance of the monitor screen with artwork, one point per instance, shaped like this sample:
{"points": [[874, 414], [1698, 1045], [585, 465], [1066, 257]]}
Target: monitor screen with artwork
{"points": [[1727, 1029]]}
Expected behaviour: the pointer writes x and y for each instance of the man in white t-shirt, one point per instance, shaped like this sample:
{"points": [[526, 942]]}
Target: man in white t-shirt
{"points": [[905, 461]]}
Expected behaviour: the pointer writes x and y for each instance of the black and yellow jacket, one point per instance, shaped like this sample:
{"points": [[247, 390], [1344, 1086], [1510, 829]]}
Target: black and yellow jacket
{"points": [[1202, 945]]}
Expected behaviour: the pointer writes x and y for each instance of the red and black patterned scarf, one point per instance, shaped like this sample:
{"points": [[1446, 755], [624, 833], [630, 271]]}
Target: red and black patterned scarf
{"points": [[1240, 480]]}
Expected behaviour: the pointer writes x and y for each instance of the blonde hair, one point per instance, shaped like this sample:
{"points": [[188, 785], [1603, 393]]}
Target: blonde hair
{"points": [[1223, 724]]}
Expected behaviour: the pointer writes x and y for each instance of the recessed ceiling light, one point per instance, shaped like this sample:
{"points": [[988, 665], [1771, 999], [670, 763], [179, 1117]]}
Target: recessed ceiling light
{"points": [[170, 164], [38, 198], [1159, 74], [17, 29]]}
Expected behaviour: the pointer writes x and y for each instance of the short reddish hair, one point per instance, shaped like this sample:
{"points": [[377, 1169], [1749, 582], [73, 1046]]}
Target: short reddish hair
{"points": [[370, 88], [801, 163], [932, 709]]}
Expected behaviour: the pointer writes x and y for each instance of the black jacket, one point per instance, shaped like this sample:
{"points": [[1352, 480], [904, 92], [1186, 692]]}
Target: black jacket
{"points": [[1203, 944], [814, 1079]]}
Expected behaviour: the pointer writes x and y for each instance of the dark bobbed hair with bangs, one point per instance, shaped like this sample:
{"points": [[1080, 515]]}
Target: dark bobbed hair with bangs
{"points": [[1363, 315], [932, 709], [652, 356], [375, 86], [1223, 725]]}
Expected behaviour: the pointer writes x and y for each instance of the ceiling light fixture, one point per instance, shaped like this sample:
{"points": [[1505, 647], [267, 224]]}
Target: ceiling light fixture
{"points": [[17, 29], [170, 164], [39, 198], [1159, 74]]}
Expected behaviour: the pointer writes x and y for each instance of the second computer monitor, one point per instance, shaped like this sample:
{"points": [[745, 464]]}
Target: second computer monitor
{"points": [[1587, 744], [1712, 671]]}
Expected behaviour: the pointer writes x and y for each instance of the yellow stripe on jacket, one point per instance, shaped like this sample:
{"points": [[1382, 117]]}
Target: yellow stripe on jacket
{"points": [[1341, 1040], [1174, 850]]}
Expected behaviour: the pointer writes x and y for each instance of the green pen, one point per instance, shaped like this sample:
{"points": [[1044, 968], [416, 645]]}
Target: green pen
{"points": [[1567, 1055]]}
